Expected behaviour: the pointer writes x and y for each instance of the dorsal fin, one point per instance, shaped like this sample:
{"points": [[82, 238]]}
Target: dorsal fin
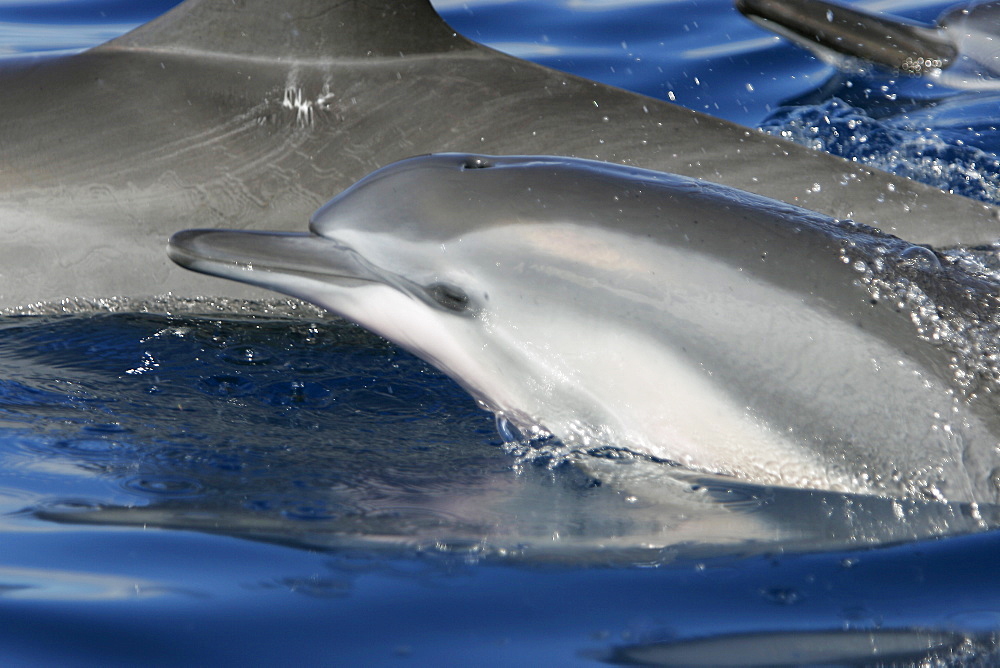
{"points": [[297, 29]]}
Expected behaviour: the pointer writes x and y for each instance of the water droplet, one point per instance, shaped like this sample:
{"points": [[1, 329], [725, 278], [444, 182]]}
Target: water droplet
{"points": [[245, 355], [508, 432], [995, 479]]}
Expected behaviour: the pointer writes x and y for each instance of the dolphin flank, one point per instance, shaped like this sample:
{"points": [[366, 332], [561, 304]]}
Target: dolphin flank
{"points": [[252, 114], [609, 305]]}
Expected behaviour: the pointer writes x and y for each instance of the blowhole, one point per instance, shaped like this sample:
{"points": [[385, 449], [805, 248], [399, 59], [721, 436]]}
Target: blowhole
{"points": [[476, 163]]}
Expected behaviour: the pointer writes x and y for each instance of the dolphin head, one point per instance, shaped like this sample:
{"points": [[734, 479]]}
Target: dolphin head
{"points": [[426, 253], [490, 268], [539, 284], [609, 305]]}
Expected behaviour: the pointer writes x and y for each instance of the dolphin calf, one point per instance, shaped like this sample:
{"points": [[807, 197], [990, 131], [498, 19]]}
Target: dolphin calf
{"points": [[608, 305], [252, 114], [959, 50]]}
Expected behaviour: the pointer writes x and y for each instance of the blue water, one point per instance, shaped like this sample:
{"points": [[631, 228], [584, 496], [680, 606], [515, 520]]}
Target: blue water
{"points": [[290, 489]]}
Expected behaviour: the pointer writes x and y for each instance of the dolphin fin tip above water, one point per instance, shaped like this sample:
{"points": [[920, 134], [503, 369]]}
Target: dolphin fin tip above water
{"points": [[959, 48]]}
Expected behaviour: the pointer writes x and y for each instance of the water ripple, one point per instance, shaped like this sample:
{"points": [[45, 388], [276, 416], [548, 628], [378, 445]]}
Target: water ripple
{"points": [[164, 486]]}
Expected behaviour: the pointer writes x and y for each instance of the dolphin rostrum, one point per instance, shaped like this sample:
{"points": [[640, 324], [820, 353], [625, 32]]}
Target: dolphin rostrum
{"points": [[609, 305], [252, 114], [960, 49]]}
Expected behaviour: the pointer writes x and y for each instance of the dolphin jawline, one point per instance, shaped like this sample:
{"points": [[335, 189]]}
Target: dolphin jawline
{"points": [[277, 261]]}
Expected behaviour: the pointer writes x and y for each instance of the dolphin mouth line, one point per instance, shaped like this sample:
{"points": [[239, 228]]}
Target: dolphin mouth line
{"points": [[296, 263], [269, 259]]}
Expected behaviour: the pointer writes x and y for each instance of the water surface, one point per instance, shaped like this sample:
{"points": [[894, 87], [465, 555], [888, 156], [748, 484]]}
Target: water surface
{"points": [[267, 484]]}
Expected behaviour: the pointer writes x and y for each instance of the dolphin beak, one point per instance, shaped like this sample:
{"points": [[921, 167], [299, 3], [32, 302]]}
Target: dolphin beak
{"points": [[295, 264]]}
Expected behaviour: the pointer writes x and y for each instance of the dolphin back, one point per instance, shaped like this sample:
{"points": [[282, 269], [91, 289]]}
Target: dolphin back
{"points": [[297, 29], [249, 114]]}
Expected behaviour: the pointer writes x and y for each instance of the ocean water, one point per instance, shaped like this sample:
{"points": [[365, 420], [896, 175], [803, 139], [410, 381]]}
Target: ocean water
{"points": [[287, 488]]}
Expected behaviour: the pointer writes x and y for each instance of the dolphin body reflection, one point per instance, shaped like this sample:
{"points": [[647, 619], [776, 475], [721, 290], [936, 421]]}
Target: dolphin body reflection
{"points": [[252, 114], [960, 49], [609, 305]]}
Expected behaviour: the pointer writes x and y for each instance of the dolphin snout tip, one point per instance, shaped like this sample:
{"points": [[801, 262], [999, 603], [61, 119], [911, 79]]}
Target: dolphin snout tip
{"points": [[181, 247], [177, 247]]}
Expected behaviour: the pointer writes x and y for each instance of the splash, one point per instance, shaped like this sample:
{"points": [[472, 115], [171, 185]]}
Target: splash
{"points": [[922, 154], [951, 298]]}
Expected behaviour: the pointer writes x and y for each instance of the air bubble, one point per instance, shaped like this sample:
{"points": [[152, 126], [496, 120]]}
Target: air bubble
{"points": [[920, 257], [245, 355]]}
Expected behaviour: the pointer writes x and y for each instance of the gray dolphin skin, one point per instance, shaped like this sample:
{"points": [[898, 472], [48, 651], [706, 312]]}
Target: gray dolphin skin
{"points": [[252, 114], [609, 305], [960, 49]]}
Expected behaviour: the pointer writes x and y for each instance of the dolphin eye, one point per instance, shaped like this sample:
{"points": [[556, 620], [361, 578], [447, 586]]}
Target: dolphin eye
{"points": [[448, 297], [476, 163]]}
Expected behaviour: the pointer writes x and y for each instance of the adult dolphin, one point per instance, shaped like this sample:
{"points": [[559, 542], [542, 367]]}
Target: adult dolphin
{"points": [[251, 114], [960, 49], [609, 305]]}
